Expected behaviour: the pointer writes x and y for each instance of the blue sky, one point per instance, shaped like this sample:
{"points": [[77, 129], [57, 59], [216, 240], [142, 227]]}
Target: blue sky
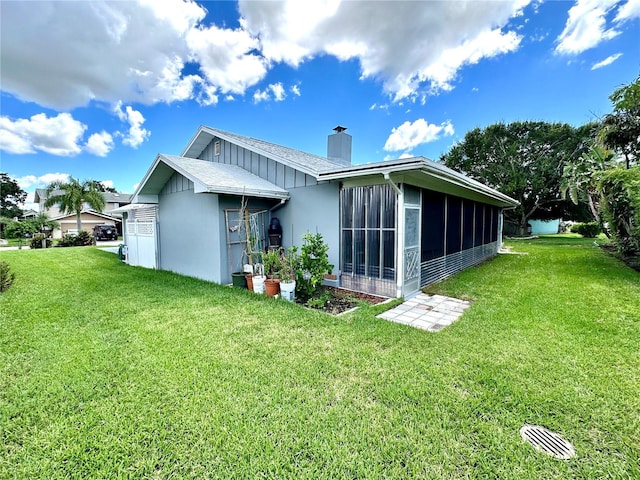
{"points": [[96, 90]]}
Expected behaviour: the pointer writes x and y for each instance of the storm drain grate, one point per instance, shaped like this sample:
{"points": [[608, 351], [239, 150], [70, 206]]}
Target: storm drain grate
{"points": [[548, 442]]}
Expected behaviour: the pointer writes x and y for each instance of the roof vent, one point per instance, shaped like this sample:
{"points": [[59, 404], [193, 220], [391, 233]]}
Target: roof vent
{"points": [[339, 146]]}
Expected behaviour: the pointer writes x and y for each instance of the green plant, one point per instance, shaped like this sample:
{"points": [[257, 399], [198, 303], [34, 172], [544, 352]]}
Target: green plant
{"points": [[290, 262], [588, 230], [19, 230], [320, 300], [620, 191], [38, 238], [82, 239], [272, 261], [6, 276], [314, 264]]}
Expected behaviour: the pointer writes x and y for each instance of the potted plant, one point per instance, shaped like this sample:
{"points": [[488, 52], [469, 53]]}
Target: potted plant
{"points": [[290, 263], [272, 261]]}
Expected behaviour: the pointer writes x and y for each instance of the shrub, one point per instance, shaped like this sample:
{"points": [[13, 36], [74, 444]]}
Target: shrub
{"points": [[588, 230], [36, 241], [314, 264], [620, 191], [82, 239], [6, 276]]}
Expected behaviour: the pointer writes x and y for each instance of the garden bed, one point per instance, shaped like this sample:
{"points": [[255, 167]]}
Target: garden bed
{"points": [[335, 300]]}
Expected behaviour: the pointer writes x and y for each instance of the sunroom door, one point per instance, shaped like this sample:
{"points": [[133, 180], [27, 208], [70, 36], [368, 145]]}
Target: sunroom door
{"points": [[411, 240]]}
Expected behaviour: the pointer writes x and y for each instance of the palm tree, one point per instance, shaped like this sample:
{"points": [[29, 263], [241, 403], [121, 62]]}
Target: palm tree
{"points": [[71, 197]]}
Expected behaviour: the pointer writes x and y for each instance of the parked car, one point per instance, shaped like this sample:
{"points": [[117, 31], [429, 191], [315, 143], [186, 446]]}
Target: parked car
{"points": [[105, 232]]}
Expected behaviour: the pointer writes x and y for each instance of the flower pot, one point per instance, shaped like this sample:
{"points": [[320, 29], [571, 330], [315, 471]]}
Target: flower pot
{"points": [[272, 287], [249, 279], [238, 279], [258, 283], [288, 290]]}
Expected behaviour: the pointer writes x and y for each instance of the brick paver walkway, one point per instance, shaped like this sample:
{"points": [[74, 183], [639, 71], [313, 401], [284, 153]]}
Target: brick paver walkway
{"points": [[428, 312]]}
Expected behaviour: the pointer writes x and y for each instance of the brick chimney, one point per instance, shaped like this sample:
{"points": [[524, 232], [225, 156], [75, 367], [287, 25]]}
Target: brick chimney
{"points": [[339, 146]]}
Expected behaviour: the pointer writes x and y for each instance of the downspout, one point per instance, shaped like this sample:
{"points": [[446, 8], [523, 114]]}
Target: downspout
{"points": [[400, 236], [277, 206]]}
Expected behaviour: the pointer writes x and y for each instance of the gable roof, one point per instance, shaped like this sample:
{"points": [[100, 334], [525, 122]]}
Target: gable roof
{"points": [[305, 162], [207, 177], [87, 211]]}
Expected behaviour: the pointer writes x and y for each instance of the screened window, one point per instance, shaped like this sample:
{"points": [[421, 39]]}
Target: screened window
{"points": [[454, 224], [368, 223], [488, 211], [494, 224], [468, 212], [433, 225], [479, 226]]}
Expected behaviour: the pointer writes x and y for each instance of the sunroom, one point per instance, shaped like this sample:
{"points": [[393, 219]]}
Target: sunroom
{"points": [[409, 223]]}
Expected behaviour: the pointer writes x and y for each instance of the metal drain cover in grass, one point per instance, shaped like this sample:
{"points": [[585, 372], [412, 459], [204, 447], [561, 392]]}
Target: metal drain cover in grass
{"points": [[547, 441]]}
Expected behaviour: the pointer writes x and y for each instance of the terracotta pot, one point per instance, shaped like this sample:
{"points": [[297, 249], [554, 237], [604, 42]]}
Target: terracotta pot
{"points": [[249, 278], [272, 287]]}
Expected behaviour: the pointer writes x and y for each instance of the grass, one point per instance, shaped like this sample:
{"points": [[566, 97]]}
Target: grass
{"points": [[110, 371]]}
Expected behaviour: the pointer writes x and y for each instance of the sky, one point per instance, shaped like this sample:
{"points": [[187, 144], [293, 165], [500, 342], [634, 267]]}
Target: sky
{"points": [[95, 90]]}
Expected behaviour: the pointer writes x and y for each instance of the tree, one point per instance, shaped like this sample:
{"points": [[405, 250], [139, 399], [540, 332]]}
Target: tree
{"points": [[621, 129], [101, 187], [43, 224], [524, 160], [11, 197], [71, 197], [19, 230], [579, 182]]}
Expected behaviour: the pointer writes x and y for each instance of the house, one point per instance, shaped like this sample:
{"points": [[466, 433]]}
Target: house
{"points": [[392, 227], [89, 217]]}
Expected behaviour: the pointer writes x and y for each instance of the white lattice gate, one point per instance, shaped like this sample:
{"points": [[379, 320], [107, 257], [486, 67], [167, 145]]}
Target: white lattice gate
{"points": [[141, 238]]}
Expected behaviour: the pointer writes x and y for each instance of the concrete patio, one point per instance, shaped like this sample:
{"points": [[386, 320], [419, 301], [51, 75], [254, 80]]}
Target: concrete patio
{"points": [[427, 312]]}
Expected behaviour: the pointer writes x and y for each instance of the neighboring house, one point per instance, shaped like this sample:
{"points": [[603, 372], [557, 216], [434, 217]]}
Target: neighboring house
{"points": [[544, 227], [89, 217], [392, 227], [28, 214]]}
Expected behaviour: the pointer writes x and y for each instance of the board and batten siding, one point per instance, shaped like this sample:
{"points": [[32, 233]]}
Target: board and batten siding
{"points": [[264, 167]]}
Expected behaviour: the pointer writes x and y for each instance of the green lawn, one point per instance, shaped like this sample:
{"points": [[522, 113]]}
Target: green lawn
{"points": [[109, 371]]}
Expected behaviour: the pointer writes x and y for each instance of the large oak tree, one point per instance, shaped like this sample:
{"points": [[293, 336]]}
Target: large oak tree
{"points": [[524, 160]]}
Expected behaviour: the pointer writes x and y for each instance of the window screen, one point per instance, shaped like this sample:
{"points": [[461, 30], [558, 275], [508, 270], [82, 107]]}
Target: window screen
{"points": [[433, 205], [467, 223], [454, 224], [479, 227]]}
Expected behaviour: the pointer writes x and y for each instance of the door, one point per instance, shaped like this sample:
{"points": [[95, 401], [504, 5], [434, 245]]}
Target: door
{"points": [[411, 249]]}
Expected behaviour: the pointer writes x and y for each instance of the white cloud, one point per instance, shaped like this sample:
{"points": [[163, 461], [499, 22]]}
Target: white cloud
{"points": [[59, 135], [628, 11], [100, 144], [278, 92], [136, 134], [70, 53], [144, 45], [586, 26], [410, 135], [607, 61], [33, 181], [436, 39], [227, 57], [260, 96], [396, 157], [275, 92], [296, 90]]}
